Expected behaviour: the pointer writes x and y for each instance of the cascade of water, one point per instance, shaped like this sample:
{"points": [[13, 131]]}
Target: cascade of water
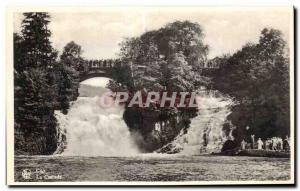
{"points": [[205, 133], [94, 130], [89, 129]]}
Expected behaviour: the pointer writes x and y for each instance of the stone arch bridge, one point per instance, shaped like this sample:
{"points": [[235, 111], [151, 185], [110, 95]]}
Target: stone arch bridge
{"points": [[103, 68]]}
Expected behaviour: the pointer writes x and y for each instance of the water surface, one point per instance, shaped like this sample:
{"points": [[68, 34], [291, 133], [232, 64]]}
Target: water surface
{"points": [[150, 168]]}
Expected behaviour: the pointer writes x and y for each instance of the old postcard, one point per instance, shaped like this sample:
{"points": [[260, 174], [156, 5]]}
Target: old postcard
{"points": [[150, 96]]}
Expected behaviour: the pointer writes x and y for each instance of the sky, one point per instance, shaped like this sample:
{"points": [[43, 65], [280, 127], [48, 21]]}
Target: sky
{"points": [[100, 30]]}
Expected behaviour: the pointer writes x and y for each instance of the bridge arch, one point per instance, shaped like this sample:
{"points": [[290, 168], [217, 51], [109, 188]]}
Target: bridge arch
{"points": [[93, 75]]}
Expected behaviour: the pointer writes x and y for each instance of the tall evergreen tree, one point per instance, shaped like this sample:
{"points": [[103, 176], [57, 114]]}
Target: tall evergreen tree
{"points": [[35, 85], [36, 43]]}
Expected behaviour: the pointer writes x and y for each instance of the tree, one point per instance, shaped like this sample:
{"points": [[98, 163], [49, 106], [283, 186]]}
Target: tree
{"points": [[36, 44], [18, 56], [68, 69], [35, 92], [151, 53], [72, 56], [180, 74], [35, 113], [185, 37], [164, 60], [257, 77]]}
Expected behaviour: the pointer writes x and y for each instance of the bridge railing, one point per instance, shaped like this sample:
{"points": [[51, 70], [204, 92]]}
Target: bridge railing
{"points": [[101, 63], [93, 66]]}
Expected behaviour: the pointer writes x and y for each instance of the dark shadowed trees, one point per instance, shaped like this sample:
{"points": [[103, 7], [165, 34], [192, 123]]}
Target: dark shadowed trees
{"points": [[68, 78], [36, 43], [34, 58], [257, 77]]}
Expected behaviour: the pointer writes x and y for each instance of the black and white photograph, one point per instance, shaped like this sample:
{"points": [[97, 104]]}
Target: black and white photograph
{"points": [[150, 96]]}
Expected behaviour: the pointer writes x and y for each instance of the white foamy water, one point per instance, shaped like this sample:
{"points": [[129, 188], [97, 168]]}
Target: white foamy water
{"points": [[96, 82], [92, 130], [205, 133]]}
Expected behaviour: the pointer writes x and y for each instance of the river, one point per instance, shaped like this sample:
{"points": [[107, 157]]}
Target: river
{"points": [[152, 167]]}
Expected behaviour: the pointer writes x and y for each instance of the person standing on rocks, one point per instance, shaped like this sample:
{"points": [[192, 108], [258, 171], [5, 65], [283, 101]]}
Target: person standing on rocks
{"points": [[260, 144], [253, 141], [243, 145]]}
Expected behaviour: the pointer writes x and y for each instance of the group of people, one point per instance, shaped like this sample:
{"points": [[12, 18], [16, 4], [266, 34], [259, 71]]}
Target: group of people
{"points": [[275, 143]]}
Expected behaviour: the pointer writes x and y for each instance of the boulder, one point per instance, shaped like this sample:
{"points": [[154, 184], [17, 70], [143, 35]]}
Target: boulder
{"points": [[229, 145]]}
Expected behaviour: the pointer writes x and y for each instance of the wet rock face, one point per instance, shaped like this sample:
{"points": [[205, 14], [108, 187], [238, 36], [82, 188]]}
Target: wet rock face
{"points": [[142, 125], [229, 145]]}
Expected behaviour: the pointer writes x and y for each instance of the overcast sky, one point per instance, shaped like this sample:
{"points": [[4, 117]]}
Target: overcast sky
{"points": [[99, 31]]}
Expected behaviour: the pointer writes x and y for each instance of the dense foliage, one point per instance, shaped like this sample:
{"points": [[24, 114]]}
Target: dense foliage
{"points": [[169, 60], [38, 86], [257, 77], [68, 70]]}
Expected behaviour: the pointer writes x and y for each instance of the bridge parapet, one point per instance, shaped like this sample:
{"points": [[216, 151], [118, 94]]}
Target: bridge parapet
{"points": [[96, 64], [97, 68], [103, 68]]}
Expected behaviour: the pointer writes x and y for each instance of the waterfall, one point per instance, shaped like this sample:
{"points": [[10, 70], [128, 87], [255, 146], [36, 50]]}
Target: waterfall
{"points": [[91, 130], [205, 134]]}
